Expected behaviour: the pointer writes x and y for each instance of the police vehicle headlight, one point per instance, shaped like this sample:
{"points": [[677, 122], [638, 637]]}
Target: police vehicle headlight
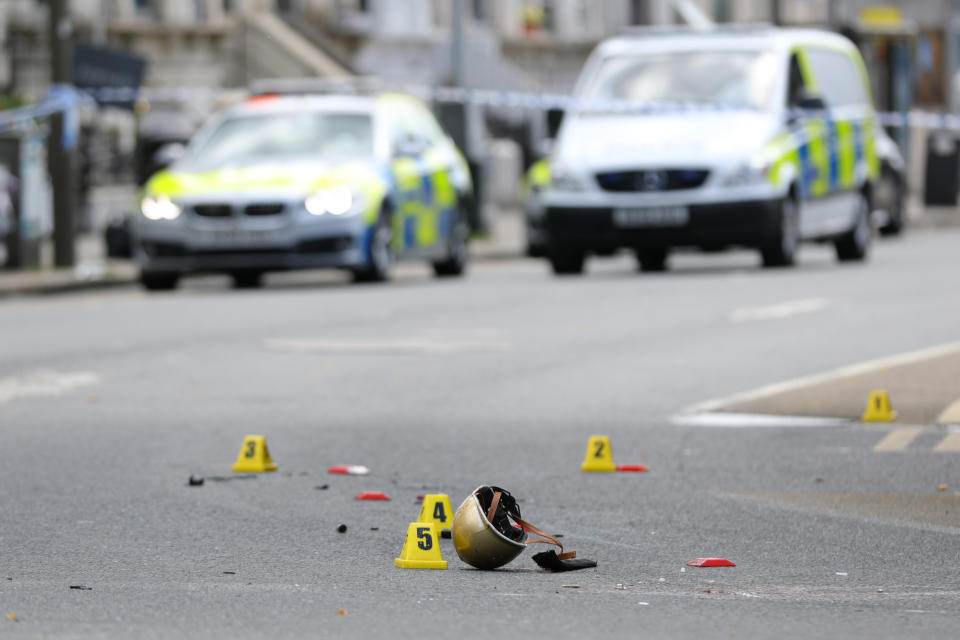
{"points": [[752, 172], [335, 201], [562, 179], [160, 208]]}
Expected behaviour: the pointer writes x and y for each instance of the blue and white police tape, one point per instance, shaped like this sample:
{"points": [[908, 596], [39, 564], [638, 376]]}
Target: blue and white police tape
{"points": [[480, 97]]}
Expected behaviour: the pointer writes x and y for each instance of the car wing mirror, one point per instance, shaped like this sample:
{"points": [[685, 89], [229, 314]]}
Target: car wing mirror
{"points": [[168, 154]]}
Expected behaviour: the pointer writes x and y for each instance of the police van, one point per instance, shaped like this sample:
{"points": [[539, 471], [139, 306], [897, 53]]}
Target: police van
{"points": [[743, 137]]}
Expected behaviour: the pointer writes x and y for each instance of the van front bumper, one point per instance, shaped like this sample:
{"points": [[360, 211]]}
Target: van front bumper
{"points": [[750, 223]]}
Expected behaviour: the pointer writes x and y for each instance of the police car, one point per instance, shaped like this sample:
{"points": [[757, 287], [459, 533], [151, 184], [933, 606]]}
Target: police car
{"points": [[752, 137], [293, 181]]}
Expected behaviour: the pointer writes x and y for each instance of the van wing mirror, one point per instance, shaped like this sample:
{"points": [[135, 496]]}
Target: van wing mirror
{"points": [[810, 101], [554, 118]]}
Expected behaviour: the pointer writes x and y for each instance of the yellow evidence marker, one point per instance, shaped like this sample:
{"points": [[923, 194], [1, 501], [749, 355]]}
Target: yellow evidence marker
{"points": [[254, 456], [436, 509], [598, 456], [421, 549], [878, 408]]}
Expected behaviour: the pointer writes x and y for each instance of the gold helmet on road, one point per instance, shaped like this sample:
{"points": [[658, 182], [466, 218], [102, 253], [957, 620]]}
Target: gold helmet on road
{"points": [[483, 535]]}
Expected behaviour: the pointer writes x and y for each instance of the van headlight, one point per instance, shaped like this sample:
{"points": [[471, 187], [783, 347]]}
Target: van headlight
{"points": [[754, 171], [160, 208], [335, 201]]}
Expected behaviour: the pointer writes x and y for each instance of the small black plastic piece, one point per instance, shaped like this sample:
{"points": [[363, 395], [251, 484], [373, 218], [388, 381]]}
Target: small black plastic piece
{"points": [[550, 561]]}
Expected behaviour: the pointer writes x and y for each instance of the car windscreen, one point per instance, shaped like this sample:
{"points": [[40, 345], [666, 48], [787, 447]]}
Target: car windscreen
{"points": [[272, 137], [737, 79]]}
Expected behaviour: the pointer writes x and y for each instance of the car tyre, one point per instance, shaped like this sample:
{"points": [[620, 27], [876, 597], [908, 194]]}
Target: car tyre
{"points": [[652, 260], [854, 245], [159, 280], [458, 249], [379, 254], [567, 262], [781, 251]]}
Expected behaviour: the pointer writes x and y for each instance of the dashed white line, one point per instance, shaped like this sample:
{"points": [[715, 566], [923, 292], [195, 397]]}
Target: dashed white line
{"points": [[383, 347], [44, 383], [778, 311]]}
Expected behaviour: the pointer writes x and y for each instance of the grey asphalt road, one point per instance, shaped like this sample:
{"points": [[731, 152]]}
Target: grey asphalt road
{"points": [[110, 400]]}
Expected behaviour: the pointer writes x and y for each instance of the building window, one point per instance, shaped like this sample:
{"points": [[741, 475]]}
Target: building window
{"points": [[480, 10]]}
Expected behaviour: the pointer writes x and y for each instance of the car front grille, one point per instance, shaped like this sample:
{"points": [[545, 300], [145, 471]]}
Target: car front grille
{"points": [[651, 180], [264, 209], [213, 210]]}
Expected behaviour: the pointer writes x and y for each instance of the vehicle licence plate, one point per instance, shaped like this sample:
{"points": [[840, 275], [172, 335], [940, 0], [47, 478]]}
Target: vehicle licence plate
{"points": [[235, 236], [651, 216]]}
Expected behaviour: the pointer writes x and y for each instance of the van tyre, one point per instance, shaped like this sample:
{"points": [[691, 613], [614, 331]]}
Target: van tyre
{"points": [[892, 189], [652, 260], [781, 250], [567, 262], [855, 244], [159, 280], [380, 254], [247, 279], [458, 249]]}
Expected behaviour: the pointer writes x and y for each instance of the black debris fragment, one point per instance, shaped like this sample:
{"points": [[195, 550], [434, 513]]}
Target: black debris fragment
{"points": [[229, 573], [229, 478], [322, 487], [446, 533], [195, 481], [81, 587], [550, 561], [342, 528], [374, 528]]}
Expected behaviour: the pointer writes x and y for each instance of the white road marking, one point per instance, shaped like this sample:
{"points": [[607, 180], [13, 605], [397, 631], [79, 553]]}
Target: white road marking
{"points": [[898, 439], [868, 366], [950, 443], [383, 347], [778, 311], [748, 420], [44, 383]]}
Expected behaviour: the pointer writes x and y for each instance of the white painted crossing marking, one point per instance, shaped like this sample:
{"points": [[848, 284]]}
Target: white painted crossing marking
{"points": [[949, 444], [749, 420], [778, 311], [898, 439], [44, 383], [868, 366]]}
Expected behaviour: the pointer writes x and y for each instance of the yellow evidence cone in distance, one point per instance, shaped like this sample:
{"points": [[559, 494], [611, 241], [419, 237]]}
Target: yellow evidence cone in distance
{"points": [[878, 408], [598, 456], [421, 549], [436, 509], [254, 456]]}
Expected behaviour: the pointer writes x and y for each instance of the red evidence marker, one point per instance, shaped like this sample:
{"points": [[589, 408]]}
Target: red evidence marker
{"points": [[372, 495], [710, 562]]}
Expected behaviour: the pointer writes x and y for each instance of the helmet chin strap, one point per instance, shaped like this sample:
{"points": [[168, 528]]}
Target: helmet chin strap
{"points": [[526, 526]]}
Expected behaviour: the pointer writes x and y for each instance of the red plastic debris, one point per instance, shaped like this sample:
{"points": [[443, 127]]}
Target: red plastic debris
{"points": [[710, 562], [372, 495], [349, 469], [631, 467]]}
